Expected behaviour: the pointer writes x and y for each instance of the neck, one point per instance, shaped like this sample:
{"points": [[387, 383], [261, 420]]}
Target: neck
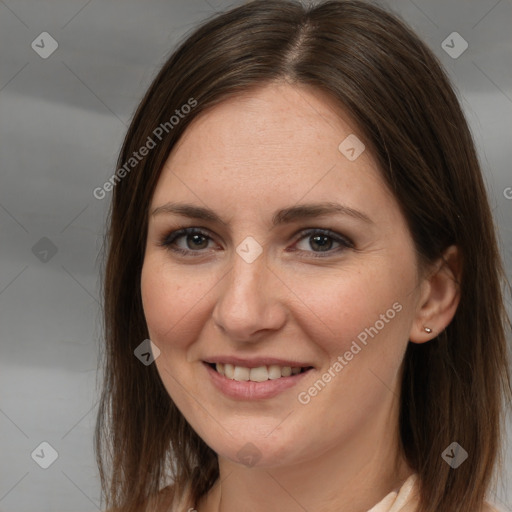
{"points": [[351, 477]]}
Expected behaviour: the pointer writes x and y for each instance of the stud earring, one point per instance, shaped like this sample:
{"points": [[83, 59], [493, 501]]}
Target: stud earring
{"points": [[428, 330]]}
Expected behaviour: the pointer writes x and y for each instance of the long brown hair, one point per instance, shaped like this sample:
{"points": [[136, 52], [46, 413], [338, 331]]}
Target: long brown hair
{"points": [[454, 386]]}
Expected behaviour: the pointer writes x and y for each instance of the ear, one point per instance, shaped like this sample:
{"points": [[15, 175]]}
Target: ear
{"points": [[439, 297]]}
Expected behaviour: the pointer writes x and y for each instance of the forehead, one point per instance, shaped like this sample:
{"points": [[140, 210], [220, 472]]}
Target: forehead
{"points": [[281, 139], [278, 120]]}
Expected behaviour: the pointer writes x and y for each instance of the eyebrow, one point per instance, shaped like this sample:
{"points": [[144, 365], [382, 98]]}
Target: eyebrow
{"points": [[284, 216]]}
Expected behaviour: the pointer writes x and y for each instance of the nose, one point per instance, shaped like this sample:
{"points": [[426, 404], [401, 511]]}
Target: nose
{"points": [[248, 306]]}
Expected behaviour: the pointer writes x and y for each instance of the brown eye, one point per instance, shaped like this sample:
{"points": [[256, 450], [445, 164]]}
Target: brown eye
{"points": [[322, 241], [196, 240]]}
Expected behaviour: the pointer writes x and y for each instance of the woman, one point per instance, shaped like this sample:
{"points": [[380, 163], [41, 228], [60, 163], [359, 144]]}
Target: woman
{"points": [[300, 226]]}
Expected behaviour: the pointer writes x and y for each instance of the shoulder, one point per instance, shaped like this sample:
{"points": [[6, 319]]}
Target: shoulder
{"points": [[163, 500], [490, 508], [166, 500], [159, 502], [169, 500], [409, 494]]}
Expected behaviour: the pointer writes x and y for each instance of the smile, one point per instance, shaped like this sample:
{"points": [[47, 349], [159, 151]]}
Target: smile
{"points": [[260, 382], [259, 374]]}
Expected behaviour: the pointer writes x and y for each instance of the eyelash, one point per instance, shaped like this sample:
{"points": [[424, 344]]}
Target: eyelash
{"points": [[170, 238]]}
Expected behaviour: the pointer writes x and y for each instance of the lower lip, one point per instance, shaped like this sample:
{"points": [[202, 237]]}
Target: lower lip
{"points": [[249, 390]]}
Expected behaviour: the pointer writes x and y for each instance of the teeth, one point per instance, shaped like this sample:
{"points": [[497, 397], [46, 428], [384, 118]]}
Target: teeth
{"points": [[241, 373], [286, 371], [260, 374], [274, 371], [229, 371]]}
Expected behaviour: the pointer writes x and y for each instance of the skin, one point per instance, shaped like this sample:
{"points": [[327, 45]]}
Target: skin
{"points": [[246, 158]]}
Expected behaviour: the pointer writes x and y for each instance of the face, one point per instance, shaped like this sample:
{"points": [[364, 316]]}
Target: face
{"points": [[267, 281]]}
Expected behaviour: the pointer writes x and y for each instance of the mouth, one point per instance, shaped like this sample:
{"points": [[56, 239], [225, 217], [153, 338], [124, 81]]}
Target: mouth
{"points": [[258, 382], [261, 373]]}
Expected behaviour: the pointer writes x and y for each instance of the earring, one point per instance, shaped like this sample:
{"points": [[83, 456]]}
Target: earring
{"points": [[428, 330]]}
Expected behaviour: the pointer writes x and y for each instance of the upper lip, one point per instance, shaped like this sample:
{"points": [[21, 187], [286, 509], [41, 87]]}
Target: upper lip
{"points": [[256, 361]]}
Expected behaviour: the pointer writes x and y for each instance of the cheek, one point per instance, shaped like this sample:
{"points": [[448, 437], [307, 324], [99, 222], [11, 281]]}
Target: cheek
{"points": [[340, 307], [363, 315], [173, 301], [159, 291]]}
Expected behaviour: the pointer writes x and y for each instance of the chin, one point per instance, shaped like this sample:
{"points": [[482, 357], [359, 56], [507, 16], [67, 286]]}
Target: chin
{"points": [[256, 451]]}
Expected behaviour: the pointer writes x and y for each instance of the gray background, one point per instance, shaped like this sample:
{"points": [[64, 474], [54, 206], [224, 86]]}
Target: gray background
{"points": [[62, 120]]}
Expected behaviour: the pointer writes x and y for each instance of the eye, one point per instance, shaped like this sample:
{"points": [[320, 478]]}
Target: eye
{"points": [[196, 240], [322, 240]]}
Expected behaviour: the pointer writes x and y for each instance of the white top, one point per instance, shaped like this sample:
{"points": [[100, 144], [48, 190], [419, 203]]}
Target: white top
{"points": [[404, 499]]}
